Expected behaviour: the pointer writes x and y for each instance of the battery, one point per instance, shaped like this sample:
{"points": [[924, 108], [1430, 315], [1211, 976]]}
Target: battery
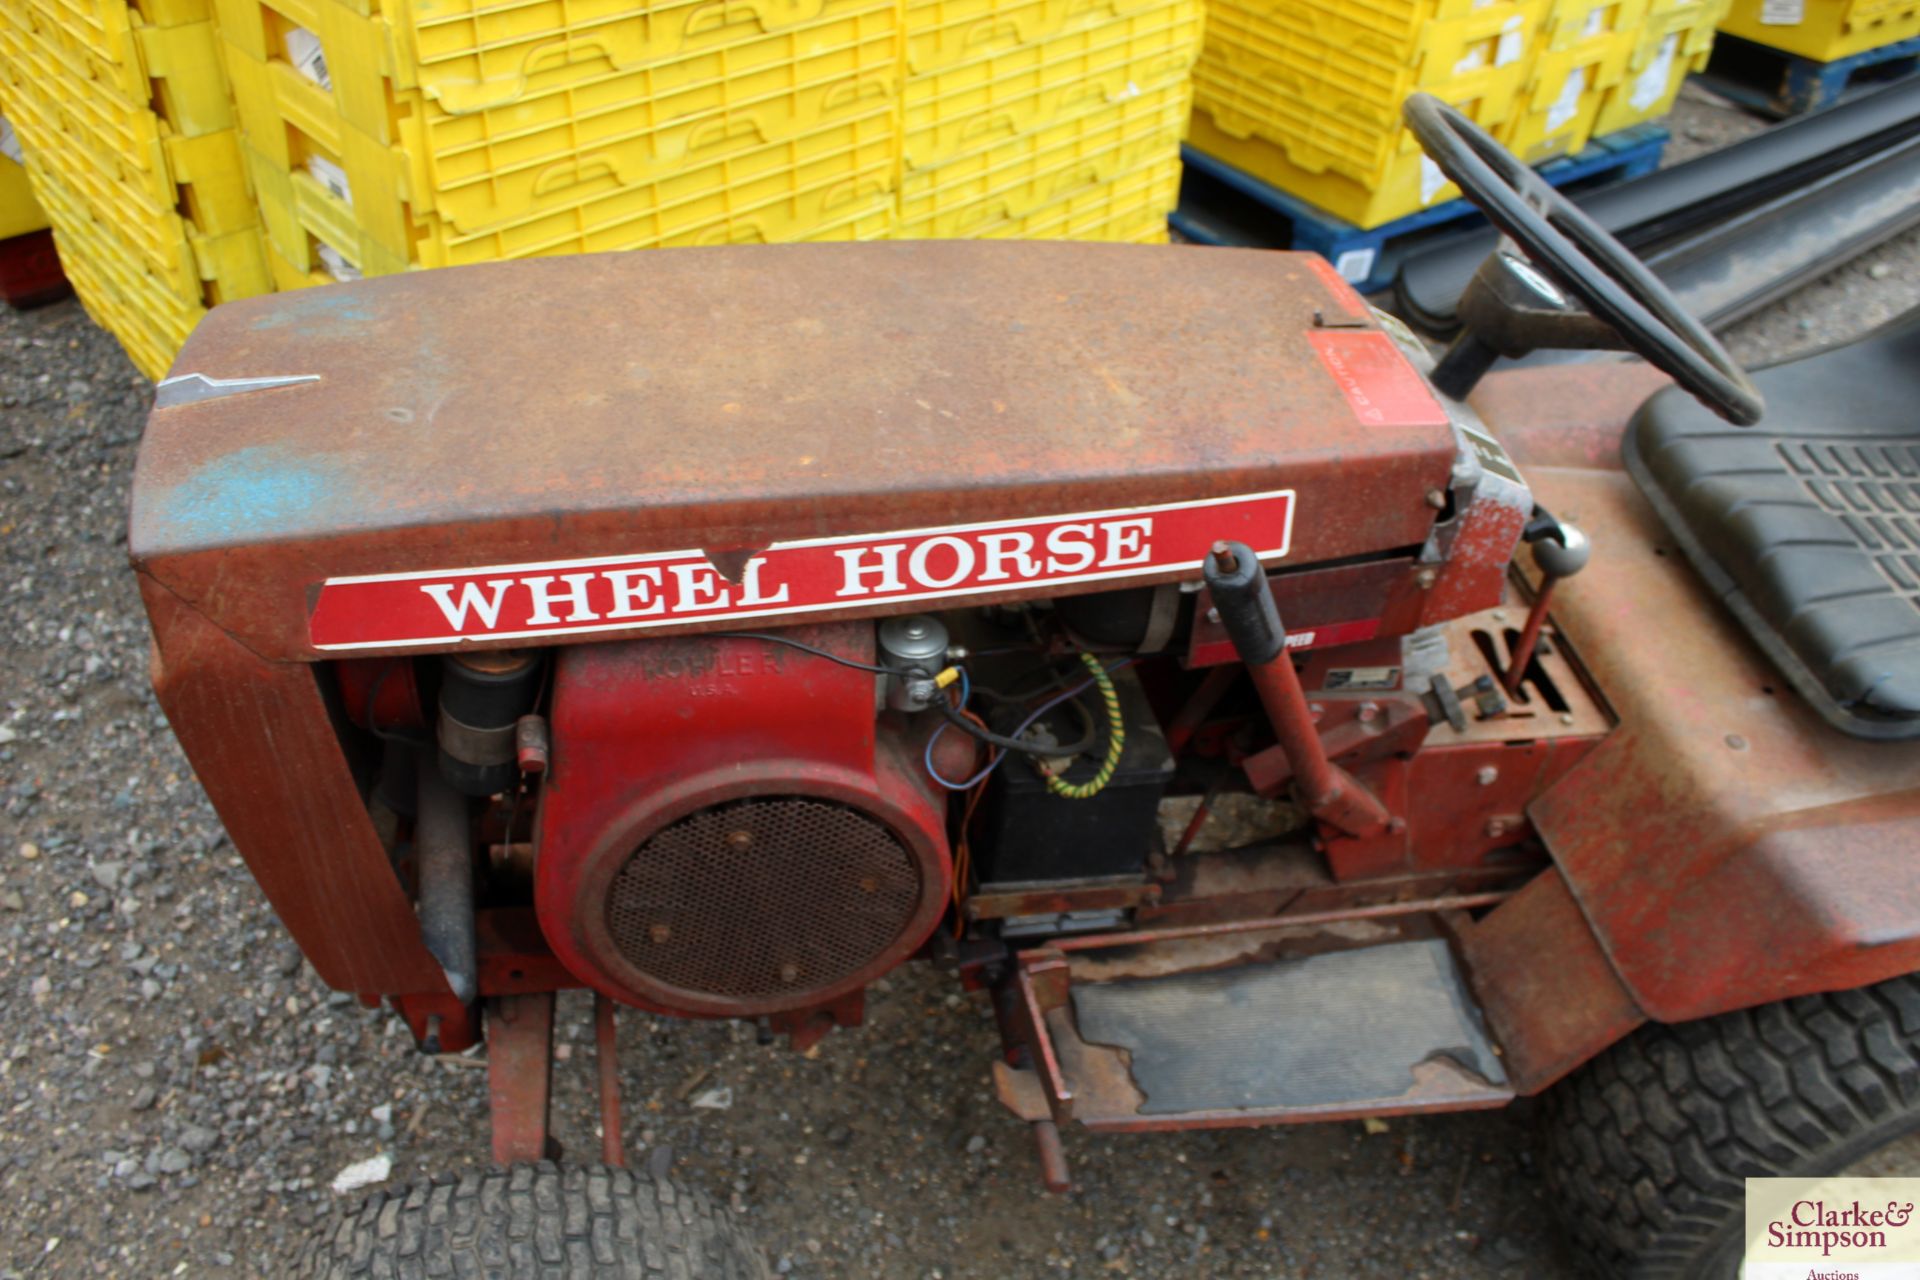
{"points": [[1025, 832]]}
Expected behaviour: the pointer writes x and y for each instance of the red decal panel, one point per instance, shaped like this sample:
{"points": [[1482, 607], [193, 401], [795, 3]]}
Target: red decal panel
{"points": [[1384, 390], [1344, 294], [660, 589]]}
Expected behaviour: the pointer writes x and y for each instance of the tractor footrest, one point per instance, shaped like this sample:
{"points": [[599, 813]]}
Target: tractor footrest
{"points": [[1387, 1029]]}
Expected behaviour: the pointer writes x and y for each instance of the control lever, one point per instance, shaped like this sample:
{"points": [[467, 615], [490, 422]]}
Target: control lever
{"points": [[1559, 552], [1251, 620]]}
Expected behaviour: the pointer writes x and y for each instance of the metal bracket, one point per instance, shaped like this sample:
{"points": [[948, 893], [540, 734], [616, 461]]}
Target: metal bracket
{"points": [[520, 1077]]}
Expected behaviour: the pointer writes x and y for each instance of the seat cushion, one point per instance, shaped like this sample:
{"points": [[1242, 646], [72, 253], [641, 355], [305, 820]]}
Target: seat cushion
{"points": [[1808, 524]]}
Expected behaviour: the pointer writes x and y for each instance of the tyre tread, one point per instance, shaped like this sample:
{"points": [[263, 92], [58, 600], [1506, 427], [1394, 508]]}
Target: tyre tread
{"points": [[1646, 1147], [535, 1219]]}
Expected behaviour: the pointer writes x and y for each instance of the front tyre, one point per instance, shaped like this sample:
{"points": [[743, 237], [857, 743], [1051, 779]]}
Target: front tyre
{"points": [[1645, 1148], [566, 1222]]}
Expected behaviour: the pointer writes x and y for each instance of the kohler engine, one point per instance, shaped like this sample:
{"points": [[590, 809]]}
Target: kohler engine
{"points": [[732, 827]]}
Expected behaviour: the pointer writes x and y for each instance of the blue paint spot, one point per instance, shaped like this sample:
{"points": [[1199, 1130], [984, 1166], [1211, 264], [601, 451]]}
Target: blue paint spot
{"points": [[334, 312], [249, 495]]}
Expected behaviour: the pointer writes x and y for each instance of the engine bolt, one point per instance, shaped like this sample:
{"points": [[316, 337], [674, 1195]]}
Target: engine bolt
{"points": [[740, 839], [660, 933], [1436, 499], [789, 972], [1224, 557], [1369, 712], [1486, 775]]}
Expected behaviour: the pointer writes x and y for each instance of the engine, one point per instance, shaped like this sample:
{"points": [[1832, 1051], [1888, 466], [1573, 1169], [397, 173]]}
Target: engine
{"points": [[732, 827]]}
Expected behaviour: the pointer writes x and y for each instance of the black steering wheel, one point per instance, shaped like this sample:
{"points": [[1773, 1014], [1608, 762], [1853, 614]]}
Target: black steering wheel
{"points": [[1519, 311]]}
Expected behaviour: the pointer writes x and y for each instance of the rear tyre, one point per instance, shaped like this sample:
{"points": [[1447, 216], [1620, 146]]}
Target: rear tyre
{"points": [[1645, 1148], [571, 1223]]}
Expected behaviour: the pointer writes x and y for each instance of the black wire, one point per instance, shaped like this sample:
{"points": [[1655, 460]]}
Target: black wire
{"points": [[967, 726], [1055, 679], [805, 648]]}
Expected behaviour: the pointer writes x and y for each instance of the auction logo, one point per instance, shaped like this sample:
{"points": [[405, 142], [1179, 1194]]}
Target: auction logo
{"points": [[1832, 1229]]}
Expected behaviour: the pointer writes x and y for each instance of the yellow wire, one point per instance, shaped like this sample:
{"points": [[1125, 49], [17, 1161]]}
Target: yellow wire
{"points": [[1116, 740]]}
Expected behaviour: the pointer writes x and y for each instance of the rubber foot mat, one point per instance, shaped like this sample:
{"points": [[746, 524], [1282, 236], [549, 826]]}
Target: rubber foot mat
{"points": [[1347, 1026]]}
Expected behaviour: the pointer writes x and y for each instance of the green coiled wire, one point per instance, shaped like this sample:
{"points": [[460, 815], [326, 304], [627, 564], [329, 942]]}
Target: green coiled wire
{"points": [[1116, 740]]}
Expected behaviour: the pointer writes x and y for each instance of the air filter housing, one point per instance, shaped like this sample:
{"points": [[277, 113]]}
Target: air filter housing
{"points": [[729, 830]]}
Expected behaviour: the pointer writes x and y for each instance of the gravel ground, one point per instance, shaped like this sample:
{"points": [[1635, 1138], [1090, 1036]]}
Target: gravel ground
{"points": [[180, 1092]]}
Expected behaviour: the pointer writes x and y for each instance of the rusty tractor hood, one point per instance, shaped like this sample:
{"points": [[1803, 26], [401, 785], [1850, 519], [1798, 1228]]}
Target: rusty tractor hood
{"points": [[726, 399]]}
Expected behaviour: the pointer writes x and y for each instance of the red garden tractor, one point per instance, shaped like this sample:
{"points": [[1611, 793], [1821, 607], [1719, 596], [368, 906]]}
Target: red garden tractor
{"points": [[717, 629]]}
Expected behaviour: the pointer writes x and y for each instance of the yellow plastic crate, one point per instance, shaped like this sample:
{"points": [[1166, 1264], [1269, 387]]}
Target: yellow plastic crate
{"points": [[287, 277], [569, 148], [92, 124], [1675, 39], [151, 311], [1333, 48], [101, 21], [1117, 208], [1237, 122], [946, 33], [789, 191], [599, 144], [469, 55], [1583, 52], [841, 176], [978, 104], [1013, 180], [123, 112], [335, 61], [1307, 96], [299, 214], [174, 70], [20, 212], [1824, 30]]}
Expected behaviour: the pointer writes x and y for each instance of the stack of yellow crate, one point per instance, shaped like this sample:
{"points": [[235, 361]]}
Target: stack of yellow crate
{"points": [[1672, 40], [1582, 53], [127, 130], [1823, 30], [1306, 94], [1042, 119], [440, 132], [190, 151]]}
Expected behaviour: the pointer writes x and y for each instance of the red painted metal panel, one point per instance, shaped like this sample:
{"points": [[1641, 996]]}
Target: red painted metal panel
{"points": [[1726, 846], [1551, 998], [259, 737], [726, 399]]}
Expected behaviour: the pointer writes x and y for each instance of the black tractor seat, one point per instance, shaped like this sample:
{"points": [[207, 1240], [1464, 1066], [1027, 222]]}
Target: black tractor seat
{"points": [[1808, 524]]}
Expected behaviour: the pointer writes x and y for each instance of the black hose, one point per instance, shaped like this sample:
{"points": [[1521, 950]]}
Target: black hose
{"points": [[442, 842]]}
